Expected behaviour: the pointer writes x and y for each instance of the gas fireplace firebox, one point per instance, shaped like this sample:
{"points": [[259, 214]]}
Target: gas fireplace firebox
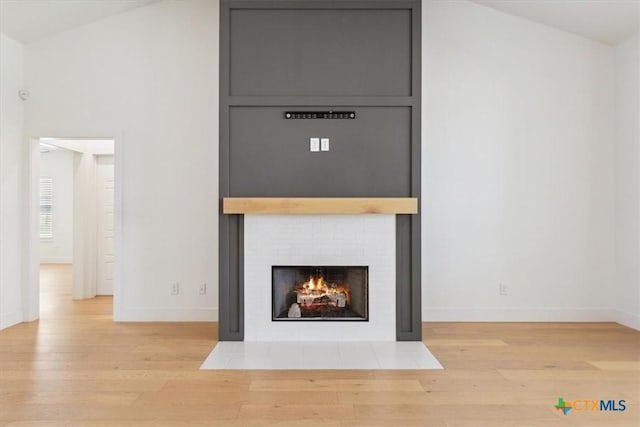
{"points": [[321, 293]]}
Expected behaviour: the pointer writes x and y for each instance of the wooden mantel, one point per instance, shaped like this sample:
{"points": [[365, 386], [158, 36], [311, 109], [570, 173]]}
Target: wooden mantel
{"points": [[320, 205]]}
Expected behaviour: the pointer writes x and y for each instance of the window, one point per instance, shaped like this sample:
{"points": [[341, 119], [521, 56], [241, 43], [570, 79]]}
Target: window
{"points": [[46, 207]]}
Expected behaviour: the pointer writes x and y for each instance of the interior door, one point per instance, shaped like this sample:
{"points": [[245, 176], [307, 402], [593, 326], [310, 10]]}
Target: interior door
{"points": [[105, 217]]}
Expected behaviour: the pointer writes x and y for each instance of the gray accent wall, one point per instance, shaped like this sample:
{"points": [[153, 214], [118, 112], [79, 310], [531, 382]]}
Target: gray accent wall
{"points": [[369, 156], [320, 55], [330, 52]]}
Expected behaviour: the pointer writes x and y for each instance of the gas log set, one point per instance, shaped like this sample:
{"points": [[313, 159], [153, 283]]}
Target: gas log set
{"points": [[316, 297]]}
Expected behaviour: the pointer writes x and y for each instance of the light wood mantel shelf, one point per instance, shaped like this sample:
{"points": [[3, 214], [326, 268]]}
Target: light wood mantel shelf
{"points": [[320, 205]]}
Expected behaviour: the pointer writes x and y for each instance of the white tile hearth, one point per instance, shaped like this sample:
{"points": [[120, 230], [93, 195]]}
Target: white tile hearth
{"points": [[321, 355]]}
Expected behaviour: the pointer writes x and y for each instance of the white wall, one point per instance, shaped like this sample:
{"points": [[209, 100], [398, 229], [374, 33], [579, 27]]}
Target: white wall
{"points": [[58, 164], [12, 157], [518, 156], [85, 226], [627, 176], [518, 166], [148, 78]]}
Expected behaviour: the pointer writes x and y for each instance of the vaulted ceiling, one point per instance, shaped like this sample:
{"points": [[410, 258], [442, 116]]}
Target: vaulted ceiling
{"points": [[30, 20], [606, 21]]}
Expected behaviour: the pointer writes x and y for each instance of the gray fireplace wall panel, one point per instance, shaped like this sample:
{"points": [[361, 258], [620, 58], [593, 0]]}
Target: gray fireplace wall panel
{"points": [[331, 52], [301, 55], [408, 284], [270, 155], [231, 297]]}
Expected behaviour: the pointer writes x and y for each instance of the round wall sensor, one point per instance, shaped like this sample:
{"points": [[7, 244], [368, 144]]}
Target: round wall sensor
{"points": [[23, 94]]}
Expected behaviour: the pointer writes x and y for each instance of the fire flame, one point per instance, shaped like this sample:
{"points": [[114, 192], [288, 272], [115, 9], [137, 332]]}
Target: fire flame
{"points": [[318, 287]]}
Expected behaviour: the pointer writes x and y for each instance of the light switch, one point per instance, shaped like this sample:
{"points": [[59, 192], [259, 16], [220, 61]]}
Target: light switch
{"points": [[314, 144], [324, 144]]}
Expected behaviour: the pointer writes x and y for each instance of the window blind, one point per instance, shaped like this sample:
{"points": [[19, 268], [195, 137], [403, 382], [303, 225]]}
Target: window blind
{"points": [[46, 207]]}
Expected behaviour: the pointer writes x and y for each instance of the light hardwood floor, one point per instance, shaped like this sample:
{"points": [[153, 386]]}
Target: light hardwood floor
{"points": [[75, 367]]}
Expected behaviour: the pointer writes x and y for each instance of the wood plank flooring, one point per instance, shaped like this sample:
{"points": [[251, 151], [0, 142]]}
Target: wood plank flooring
{"points": [[75, 367]]}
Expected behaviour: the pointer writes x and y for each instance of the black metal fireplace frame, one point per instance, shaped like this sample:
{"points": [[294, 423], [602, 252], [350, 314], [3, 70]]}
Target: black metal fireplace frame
{"points": [[274, 317]]}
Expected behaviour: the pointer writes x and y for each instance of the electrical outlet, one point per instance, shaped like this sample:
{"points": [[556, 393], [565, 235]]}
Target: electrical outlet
{"points": [[175, 288], [503, 290], [203, 289], [314, 145]]}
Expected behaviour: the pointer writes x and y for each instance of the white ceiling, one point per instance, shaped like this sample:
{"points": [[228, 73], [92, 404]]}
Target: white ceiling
{"points": [[90, 146], [607, 21], [30, 20]]}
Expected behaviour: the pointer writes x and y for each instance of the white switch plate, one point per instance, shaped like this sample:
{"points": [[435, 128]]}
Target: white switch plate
{"points": [[314, 144], [324, 144]]}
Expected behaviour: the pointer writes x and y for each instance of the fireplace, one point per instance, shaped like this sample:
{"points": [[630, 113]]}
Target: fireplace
{"points": [[320, 293], [282, 252]]}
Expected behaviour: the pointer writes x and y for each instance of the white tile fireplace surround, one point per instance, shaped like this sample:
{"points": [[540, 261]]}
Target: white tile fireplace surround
{"points": [[319, 240]]}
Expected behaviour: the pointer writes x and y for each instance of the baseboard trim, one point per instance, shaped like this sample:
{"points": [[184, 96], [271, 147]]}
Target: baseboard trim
{"points": [[519, 314], [627, 319], [10, 319], [195, 314], [55, 260]]}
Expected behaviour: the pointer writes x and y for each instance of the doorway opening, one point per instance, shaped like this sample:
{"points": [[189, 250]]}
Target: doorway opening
{"points": [[75, 220]]}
